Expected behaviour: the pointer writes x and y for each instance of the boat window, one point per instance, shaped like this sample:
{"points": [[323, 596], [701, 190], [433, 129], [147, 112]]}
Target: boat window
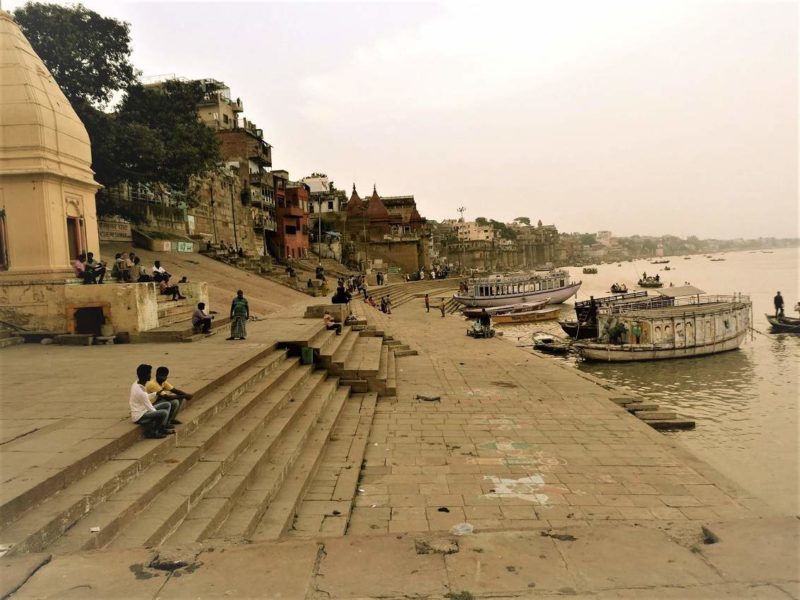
{"points": [[657, 334]]}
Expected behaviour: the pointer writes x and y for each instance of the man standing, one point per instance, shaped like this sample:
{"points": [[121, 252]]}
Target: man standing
{"points": [[441, 307], [154, 419], [778, 302], [486, 322], [427, 303], [240, 312]]}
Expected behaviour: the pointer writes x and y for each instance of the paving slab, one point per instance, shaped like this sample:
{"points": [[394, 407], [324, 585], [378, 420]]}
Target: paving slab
{"points": [[358, 567], [513, 563], [281, 570], [97, 575], [14, 572], [607, 557], [755, 549]]}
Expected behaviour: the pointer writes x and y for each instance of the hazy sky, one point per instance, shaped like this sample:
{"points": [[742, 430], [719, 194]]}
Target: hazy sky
{"points": [[638, 117]]}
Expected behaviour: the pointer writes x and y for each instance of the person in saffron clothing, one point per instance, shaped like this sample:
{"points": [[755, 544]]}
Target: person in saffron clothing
{"points": [[240, 312]]}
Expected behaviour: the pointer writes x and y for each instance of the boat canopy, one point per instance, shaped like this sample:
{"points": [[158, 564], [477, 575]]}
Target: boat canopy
{"points": [[681, 290]]}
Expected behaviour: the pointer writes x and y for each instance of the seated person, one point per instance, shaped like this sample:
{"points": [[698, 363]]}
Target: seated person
{"points": [[116, 270], [154, 418], [341, 296], [81, 272], [97, 268], [159, 272], [165, 392], [485, 321], [128, 267], [330, 323], [370, 301], [166, 289], [140, 272], [200, 320]]}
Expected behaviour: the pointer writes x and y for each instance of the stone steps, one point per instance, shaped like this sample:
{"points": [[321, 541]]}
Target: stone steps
{"points": [[282, 510], [220, 470], [180, 331], [277, 487], [90, 480]]}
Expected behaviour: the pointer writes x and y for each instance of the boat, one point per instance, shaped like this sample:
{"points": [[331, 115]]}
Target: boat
{"points": [[660, 262], [589, 271], [501, 290], [585, 327], [544, 342], [784, 324], [667, 268], [528, 316], [474, 313], [619, 289], [686, 324], [650, 282], [716, 259], [687, 258]]}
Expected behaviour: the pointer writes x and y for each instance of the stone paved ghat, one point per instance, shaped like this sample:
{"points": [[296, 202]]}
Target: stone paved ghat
{"points": [[515, 441]]}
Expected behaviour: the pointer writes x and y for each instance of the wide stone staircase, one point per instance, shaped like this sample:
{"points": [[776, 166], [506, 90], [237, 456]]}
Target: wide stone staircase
{"points": [[403, 292], [251, 442], [175, 322]]}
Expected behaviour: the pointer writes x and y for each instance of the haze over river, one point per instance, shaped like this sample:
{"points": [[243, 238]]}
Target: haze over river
{"points": [[745, 402]]}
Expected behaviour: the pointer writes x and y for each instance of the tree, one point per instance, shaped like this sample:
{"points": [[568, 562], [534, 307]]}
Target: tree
{"points": [[522, 220], [588, 239], [183, 147], [482, 221], [88, 54]]}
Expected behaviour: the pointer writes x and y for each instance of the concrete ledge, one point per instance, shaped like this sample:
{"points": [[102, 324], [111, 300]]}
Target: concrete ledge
{"points": [[338, 311]]}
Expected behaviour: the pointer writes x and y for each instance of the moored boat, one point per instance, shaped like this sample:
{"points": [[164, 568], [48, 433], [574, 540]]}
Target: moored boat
{"points": [[544, 342], [619, 289], [589, 271], [687, 325], [501, 290], [528, 316], [585, 327], [474, 313], [579, 331]]}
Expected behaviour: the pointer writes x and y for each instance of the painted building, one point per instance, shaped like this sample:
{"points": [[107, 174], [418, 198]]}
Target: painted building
{"points": [[292, 199]]}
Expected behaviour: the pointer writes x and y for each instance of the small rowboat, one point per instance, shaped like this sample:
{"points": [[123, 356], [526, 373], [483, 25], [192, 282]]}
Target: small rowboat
{"points": [[474, 313], [784, 324], [529, 316], [544, 342]]}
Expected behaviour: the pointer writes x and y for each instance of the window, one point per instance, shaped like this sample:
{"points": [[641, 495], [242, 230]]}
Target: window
{"points": [[330, 204], [74, 237], [291, 229]]}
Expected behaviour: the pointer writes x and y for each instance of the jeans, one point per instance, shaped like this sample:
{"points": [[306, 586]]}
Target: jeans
{"points": [[336, 326], [173, 406], [155, 420], [204, 325]]}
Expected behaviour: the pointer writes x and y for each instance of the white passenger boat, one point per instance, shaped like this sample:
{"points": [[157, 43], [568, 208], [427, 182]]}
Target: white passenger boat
{"points": [[500, 290], [682, 323]]}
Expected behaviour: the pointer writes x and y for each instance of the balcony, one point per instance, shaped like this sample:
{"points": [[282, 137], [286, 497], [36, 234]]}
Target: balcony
{"points": [[293, 211], [263, 223]]}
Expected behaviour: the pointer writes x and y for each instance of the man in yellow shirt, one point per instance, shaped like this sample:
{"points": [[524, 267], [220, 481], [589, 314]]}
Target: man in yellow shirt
{"points": [[166, 392]]}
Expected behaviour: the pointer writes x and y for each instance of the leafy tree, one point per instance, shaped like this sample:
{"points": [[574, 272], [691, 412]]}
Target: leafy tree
{"points": [[523, 220], [481, 221], [503, 230], [88, 54], [182, 146]]}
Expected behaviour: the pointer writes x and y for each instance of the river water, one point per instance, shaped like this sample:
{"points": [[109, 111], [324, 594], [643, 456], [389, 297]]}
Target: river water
{"points": [[745, 402]]}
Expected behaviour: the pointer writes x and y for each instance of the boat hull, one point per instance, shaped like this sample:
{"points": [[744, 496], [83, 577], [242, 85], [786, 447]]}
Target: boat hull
{"points": [[785, 325], [597, 352], [579, 331], [557, 296], [526, 317]]}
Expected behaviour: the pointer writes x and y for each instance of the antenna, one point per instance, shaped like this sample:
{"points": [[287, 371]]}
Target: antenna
{"points": [[461, 210]]}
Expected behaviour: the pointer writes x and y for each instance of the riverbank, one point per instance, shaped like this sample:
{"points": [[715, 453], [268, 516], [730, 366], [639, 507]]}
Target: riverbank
{"points": [[563, 492]]}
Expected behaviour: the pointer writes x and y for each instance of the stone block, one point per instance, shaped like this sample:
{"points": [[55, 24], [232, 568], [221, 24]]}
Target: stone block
{"points": [[75, 339], [339, 312]]}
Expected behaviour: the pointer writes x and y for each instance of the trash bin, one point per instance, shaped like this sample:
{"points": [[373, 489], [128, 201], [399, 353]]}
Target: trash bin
{"points": [[307, 355]]}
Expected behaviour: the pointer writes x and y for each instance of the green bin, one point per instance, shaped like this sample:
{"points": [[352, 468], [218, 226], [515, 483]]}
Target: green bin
{"points": [[307, 355]]}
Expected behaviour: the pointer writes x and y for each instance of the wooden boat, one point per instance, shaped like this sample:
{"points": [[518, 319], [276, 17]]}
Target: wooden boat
{"points": [[474, 313], [619, 289], [544, 342], [660, 262], [583, 307], [784, 324], [501, 290], [716, 259], [690, 326], [529, 316], [579, 331], [650, 282], [589, 271]]}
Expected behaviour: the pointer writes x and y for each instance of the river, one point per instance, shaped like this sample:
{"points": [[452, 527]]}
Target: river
{"points": [[745, 402]]}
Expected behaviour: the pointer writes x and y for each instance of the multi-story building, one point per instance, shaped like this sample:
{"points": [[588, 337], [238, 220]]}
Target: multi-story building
{"points": [[325, 198], [291, 200], [469, 231]]}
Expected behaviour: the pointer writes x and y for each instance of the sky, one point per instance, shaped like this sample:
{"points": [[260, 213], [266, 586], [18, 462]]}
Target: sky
{"points": [[644, 117]]}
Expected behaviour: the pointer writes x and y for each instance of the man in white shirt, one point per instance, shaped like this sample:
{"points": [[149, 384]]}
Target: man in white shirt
{"points": [[154, 419]]}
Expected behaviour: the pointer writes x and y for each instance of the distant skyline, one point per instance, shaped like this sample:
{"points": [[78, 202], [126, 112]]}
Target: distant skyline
{"points": [[643, 118]]}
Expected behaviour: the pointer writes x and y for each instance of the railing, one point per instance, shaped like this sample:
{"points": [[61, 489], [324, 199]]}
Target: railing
{"points": [[669, 302]]}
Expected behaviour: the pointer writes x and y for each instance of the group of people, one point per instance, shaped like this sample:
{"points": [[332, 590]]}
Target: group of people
{"points": [[88, 269], [127, 268], [155, 403], [433, 273]]}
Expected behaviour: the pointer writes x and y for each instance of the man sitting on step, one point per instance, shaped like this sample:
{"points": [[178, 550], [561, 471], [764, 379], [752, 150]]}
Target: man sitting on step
{"points": [[167, 393], [200, 320], [330, 323], [154, 418]]}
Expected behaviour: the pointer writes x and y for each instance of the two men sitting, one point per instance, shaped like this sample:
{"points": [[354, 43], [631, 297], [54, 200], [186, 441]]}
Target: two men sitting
{"points": [[155, 404]]}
